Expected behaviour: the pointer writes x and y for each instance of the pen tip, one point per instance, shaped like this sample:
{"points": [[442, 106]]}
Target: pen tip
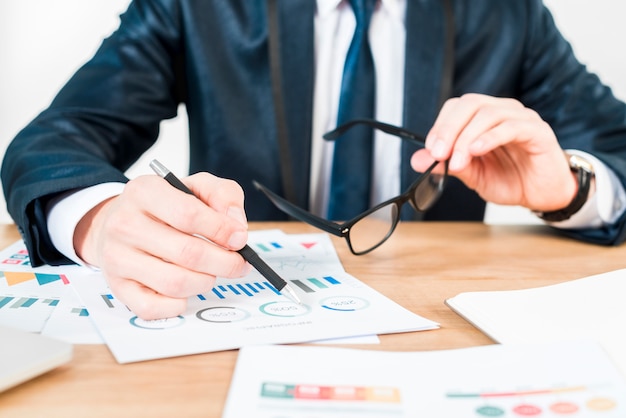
{"points": [[291, 294]]}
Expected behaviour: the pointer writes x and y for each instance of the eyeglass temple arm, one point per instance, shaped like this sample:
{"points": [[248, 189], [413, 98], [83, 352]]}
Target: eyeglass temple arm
{"points": [[385, 127], [299, 213]]}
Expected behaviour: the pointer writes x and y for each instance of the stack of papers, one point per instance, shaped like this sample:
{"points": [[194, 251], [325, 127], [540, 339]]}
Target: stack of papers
{"points": [[240, 312], [41, 300]]}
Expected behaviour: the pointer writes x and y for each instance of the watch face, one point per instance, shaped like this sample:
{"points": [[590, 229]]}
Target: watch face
{"points": [[576, 162]]}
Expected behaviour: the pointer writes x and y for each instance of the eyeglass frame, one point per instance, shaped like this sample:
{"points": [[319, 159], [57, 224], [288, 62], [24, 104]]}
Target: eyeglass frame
{"points": [[342, 229]]}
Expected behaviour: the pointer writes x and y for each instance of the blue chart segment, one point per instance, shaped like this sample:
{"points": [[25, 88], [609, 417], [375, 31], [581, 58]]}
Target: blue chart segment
{"points": [[17, 277], [80, 311], [12, 302], [268, 246], [108, 298], [312, 285], [251, 289], [246, 289]]}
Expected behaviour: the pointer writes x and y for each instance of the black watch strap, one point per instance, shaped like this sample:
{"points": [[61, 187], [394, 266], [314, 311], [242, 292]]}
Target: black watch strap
{"points": [[584, 174]]}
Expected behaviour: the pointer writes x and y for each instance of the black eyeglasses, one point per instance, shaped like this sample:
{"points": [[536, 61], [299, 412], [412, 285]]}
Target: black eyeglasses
{"points": [[371, 228]]}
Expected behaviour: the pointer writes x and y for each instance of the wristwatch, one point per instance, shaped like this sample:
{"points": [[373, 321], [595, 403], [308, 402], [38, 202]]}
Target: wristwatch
{"points": [[584, 173]]}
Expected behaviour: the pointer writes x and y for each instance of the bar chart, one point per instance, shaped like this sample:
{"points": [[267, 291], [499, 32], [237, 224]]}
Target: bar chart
{"points": [[31, 313], [19, 257]]}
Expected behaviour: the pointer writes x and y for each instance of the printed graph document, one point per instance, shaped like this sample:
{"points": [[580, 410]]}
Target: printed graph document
{"points": [[249, 311], [566, 379], [41, 300], [593, 307]]}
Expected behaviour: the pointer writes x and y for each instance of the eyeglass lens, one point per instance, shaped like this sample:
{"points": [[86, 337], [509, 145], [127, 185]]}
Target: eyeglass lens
{"points": [[373, 229], [428, 190], [376, 227]]}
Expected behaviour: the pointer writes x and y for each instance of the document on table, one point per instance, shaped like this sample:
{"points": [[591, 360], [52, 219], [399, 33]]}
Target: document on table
{"points": [[574, 379], [41, 299], [249, 311], [593, 307]]}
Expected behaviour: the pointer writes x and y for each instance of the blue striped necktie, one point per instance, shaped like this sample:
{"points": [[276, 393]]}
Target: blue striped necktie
{"points": [[352, 161]]}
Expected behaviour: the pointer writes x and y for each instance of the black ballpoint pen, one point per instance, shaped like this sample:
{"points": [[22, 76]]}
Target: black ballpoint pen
{"points": [[246, 252]]}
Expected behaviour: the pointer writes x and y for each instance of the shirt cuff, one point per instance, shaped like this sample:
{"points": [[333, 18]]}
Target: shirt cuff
{"points": [[65, 211], [605, 206]]}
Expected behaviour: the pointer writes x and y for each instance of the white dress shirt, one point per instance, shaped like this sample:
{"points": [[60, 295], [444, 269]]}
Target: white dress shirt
{"points": [[334, 27]]}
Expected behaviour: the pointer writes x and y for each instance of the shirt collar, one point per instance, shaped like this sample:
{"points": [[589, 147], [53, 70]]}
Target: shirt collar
{"points": [[324, 7], [395, 7]]}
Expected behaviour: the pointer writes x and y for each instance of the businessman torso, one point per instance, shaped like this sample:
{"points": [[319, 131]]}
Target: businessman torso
{"points": [[213, 57]]}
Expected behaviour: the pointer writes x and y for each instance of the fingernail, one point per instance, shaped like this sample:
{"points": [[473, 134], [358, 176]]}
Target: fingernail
{"points": [[246, 269], [438, 149], [237, 214], [457, 161], [477, 146], [237, 239]]}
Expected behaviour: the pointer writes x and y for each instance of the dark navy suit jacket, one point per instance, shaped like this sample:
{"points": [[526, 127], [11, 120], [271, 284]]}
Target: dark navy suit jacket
{"points": [[212, 55]]}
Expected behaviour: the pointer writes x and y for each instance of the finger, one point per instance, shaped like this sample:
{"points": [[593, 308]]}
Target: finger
{"points": [[145, 302], [421, 160], [166, 243], [521, 131], [483, 124], [162, 277], [186, 213], [224, 195], [453, 118]]}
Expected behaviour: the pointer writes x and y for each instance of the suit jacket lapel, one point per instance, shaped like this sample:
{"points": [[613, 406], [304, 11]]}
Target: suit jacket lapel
{"points": [[296, 20], [425, 41]]}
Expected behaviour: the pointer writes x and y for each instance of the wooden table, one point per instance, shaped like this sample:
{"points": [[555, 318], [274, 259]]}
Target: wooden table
{"points": [[419, 267]]}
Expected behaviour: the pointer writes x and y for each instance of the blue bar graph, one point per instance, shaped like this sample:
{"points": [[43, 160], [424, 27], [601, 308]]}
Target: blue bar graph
{"points": [[107, 300], [268, 247], [51, 302], [251, 289], [331, 280], [4, 300], [241, 289], [317, 284], [80, 311], [24, 303]]}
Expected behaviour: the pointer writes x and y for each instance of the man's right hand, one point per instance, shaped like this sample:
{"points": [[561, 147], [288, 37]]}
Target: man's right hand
{"points": [[157, 246]]}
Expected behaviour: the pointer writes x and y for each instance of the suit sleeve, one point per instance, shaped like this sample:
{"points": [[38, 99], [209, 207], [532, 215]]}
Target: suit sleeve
{"points": [[583, 112], [101, 121]]}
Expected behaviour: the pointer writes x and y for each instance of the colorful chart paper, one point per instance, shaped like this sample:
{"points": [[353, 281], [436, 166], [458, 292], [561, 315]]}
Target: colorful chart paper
{"points": [[567, 379], [239, 312]]}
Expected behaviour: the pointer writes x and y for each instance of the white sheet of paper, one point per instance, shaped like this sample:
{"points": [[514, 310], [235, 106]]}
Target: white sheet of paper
{"points": [[249, 311], [244, 312], [592, 308], [70, 322], [573, 379]]}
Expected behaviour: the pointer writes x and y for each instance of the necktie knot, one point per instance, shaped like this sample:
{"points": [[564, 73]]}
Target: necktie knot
{"points": [[363, 10]]}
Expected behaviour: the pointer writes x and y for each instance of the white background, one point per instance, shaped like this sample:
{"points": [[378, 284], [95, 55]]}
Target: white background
{"points": [[42, 42]]}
